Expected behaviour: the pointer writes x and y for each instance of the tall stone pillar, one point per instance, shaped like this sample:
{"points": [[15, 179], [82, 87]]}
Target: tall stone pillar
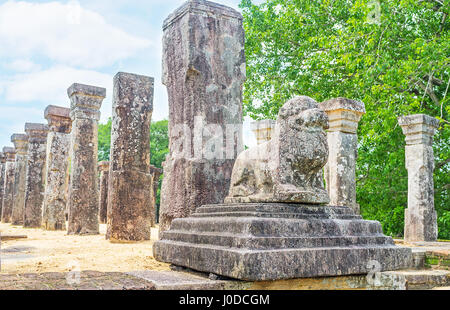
{"points": [[8, 191], [34, 193], [340, 171], [263, 130], [420, 216], [103, 166], [57, 168], [129, 204], [2, 180], [156, 173], [83, 191], [20, 142], [204, 72]]}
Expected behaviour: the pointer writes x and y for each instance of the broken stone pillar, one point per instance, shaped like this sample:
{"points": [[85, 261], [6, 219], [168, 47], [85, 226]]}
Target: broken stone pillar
{"points": [[57, 168], [2, 179], [20, 142], [155, 173], [204, 72], [340, 171], [263, 130], [83, 191], [129, 201], [35, 187], [420, 216], [103, 166], [8, 191]]}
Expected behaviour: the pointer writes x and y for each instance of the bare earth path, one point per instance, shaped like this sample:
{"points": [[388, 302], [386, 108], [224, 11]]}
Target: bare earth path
{"points": [[46, 251]]}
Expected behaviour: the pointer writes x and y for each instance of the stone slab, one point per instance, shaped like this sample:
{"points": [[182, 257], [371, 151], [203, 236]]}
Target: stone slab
{"points": [[279, 241]]}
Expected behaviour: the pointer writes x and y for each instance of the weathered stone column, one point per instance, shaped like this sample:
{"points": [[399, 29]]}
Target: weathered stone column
{"points": [[8, 192], [340, 171], [420, 216], [2, 180], [156, 173], [83, 191], [20, 142], [204, 72], [103, 166], [129, 203], [57, 168], [263, 130], [34, 193]]}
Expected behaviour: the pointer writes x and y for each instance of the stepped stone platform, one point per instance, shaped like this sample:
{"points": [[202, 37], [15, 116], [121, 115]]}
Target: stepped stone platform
{"points": [[274, 241]]}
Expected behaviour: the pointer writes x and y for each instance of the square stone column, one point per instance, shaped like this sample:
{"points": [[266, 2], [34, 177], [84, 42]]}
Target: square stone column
{"points": [[263, 130], [103, 166], [8, 191], [420, 216], [340, 171], [156, 173], [204, 71], [2, 179], [83, 191], [57, 168], [129, 200], [34, 193], [20, 142]]}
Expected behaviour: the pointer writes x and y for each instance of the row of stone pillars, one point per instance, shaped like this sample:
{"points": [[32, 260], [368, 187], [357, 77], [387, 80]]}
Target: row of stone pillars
{"points": [[52, 172], [344, 116]]}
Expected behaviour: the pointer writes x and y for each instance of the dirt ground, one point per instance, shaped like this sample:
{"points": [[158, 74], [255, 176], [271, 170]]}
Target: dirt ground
{"points": [[48, 251]]}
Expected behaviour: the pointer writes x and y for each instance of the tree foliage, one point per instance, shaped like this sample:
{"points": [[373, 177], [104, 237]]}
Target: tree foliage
{"points": [[394, 55]]}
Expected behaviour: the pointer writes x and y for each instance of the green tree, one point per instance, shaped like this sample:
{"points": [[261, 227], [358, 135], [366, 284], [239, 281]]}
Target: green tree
{"points": [[394, 55]]}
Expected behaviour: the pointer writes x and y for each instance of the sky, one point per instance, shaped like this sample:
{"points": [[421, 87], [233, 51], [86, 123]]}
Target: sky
{"points": [[45, 46]]}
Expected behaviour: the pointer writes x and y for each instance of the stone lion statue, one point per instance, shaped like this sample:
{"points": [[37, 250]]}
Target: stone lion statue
{"points": [[287, 168]]}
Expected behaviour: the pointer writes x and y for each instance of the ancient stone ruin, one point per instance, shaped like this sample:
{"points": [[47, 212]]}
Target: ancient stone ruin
{"points": [[156, 174], [130, 181], [344, 115], [35, 177], [2, 179], [103, 167], [8, 191], [57, 168], [85, 103], [20, 142], [420, 216], [263, 130], [257, 238], [204, 72]]}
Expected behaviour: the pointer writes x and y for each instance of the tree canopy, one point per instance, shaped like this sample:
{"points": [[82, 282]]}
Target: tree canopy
{"points": [[394, 55]]}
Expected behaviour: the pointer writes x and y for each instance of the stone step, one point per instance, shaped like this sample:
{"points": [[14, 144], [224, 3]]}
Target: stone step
{"points": [[273, 215], [250, 242], [415, 279], [276, 227]]}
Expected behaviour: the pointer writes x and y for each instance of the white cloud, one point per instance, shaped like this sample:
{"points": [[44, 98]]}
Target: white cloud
{"points": [[22, 65], [63, 33]]}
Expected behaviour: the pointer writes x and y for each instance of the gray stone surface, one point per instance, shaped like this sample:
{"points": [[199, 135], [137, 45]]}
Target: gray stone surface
{"points": [[129, 195], [2, 179], [57, 168], [420, 216], [288, 168], [258, 242], [103, 167], [344, 115], [35, 177], [83, 190], [20, 142], [204, 71], [156, 174], [8, 192], [263, 130]]}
